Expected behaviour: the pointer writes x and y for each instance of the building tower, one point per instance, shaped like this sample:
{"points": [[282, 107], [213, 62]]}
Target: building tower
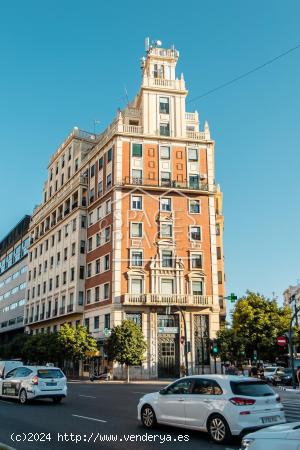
{"points": [[151, 246]]}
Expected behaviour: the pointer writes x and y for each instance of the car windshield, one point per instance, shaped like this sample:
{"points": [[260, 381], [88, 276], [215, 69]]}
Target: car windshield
{"points": [[251, 388], [269, 369], [50, 373]]}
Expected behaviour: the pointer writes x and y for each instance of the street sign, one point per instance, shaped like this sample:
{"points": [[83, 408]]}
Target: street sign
{"points": [[281, 341], [107, 332]]}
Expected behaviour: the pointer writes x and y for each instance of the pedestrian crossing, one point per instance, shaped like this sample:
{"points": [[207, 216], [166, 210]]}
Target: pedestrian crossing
{"points": [[292, 410]]}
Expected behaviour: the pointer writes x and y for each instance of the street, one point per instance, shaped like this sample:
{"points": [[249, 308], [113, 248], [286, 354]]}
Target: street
{"points": [[107, 409], [106, 413]]}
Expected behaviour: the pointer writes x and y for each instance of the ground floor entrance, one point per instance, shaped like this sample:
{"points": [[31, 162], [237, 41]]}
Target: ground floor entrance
{"points": [[168, 363]]}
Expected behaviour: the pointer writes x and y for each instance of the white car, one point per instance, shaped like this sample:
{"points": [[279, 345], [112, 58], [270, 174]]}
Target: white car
{"points": [[223, 405], [271, 371], [29, 382], [278, 437]]}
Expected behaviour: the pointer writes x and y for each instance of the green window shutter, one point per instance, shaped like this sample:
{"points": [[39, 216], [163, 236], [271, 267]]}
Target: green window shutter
{"points": [[137, 150]]}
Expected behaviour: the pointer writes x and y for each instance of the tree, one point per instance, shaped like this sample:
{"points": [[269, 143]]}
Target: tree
{"points": [[231, 346], [259, 321], [75, 343], [126, 345], [42, 348]]}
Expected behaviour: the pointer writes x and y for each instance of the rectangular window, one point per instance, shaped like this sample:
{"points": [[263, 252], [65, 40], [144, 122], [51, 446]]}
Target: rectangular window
{"points": [[196, 260], [106, 262], [101, 163], [90, 244], [98, 239], [137, 176], [165, 204], [92, 195], [108, 206], [82, 247], [197, 287], [92, 171], [107, 321], [136, 286], [73, 248], [106, 291], [194, 181], [89, 270], [65, 254], [192, 154], [194, 206], [81, 272], [167, 286], [72, 274], [87, 323], [107, 234], [88, 297], [74, 225], [108, 181], [136, 229], [83, 221], [136, 258], [164, 152], [100, 188], [220, 277], [97, 294], [164, 105], [109, 155], [164, 129], [195, 233], [219, 253], [167, 258], [97, 266], [96, 322], [80, 298], [165, 178], [137, 150], [136, 202], [165, 230]]}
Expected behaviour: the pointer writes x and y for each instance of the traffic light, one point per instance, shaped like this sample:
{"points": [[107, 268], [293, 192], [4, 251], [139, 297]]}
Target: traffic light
{"points": [[214, 349]]}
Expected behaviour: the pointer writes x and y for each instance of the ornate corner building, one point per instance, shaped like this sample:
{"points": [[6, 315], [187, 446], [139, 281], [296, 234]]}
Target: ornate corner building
{"points": [[131, 226]]}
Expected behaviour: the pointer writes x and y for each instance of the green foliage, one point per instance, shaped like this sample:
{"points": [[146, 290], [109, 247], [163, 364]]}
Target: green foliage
{"points": [[14, 347], [75, 343], [256, 323], [231, 346], [41, 348], [126, 344]]}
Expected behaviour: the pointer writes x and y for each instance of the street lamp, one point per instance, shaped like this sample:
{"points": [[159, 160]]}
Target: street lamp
{"points": [[297, 310]]}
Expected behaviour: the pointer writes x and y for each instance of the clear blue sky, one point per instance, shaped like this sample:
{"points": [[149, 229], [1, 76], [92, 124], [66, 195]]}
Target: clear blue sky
{"points": [[65, 63]]}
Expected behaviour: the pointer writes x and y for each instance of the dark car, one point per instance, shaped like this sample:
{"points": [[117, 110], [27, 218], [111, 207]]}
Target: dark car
{"points": [[284, 378]]}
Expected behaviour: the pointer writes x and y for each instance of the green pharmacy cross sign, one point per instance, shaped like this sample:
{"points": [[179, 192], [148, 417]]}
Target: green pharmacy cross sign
{"points": [[232, 297]]}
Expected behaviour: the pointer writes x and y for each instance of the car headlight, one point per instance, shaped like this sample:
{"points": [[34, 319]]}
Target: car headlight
{"points": [[246, 442]]}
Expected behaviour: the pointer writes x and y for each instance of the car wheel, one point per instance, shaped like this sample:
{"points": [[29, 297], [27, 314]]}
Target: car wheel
{"points": [[57, 399], [148, 417], [23, 397], [218, 429]]}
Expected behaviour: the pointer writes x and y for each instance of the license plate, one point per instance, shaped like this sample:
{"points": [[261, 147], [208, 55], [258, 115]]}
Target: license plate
{"points": [[51, 384], [270, 419]]}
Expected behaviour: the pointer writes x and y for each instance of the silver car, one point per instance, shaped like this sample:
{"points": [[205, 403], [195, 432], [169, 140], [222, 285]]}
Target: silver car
{"points": [[31, 382]]}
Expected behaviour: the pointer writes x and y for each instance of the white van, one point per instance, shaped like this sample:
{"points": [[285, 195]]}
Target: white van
{"points": [[7, 366]]}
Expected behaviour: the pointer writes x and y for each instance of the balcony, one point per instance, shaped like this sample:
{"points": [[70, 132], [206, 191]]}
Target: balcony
{"points": [[70, 308], [163, 184], [164, 300], [62, 310]]}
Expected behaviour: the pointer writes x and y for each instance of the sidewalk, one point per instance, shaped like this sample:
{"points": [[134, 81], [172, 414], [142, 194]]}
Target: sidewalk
{"points": [[155, 382]]}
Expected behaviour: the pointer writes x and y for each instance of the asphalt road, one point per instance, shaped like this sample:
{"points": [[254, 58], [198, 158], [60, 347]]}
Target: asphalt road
{"points": [[91, 411]]}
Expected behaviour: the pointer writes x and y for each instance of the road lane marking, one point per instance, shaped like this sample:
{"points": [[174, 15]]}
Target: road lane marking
{"points": [[89, 418], [140, 392], [87, 396]]}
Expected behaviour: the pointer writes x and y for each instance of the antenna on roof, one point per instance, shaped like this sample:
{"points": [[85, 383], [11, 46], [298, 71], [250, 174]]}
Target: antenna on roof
{"points": [[126, 93], [147, 44]]}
